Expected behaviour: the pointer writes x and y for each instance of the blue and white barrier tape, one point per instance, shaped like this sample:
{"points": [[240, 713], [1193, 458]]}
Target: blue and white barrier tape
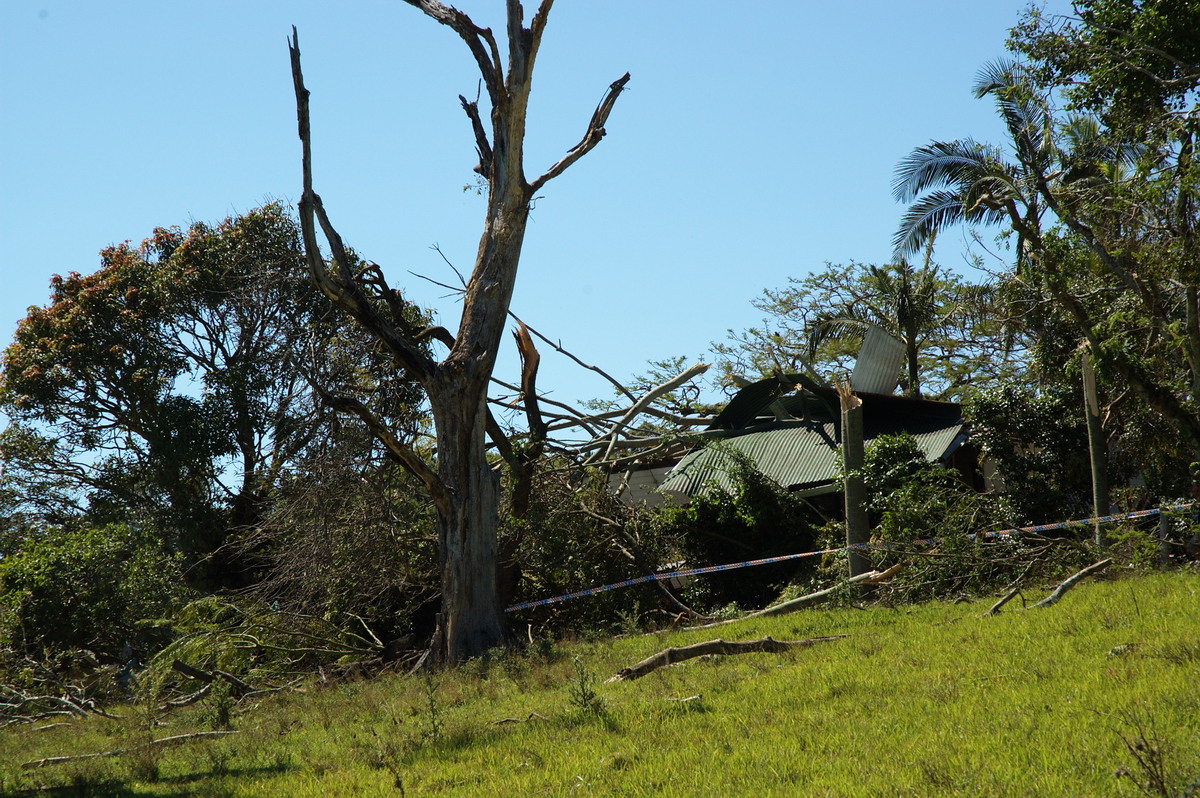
{"points": [[711, 569]]}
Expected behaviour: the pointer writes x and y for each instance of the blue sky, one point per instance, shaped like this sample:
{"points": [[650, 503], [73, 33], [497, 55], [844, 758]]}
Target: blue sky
{"points": [[755, 142]]}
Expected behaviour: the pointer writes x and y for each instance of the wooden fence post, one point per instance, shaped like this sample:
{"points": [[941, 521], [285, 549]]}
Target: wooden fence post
{"points": [[1096, 447], [854, 488]]}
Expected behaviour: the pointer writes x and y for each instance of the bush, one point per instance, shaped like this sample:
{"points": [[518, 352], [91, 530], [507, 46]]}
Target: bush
{"points": [[757, 519], [85, 588], [914, 502], [575, 535]]}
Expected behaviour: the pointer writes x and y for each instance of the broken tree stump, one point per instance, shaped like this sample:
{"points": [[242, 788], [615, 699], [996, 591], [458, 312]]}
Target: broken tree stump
{"points": [[670, 656]]}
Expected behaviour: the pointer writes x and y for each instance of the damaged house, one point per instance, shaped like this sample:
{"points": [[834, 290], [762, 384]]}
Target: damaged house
{"points": [[788, 427]]}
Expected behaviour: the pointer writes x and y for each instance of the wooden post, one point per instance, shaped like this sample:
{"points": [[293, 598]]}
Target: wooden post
{"points": [[855, 490], [1096, 447], [1164, 538]]}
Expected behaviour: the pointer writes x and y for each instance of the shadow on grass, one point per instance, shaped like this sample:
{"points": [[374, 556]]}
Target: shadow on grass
{"points": [[119, 788]]}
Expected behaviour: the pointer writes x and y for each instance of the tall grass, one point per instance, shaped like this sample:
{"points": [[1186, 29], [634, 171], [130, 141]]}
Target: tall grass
{"points": [[1086, 697]]}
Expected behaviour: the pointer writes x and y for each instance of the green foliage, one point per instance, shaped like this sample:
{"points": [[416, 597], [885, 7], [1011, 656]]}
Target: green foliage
{"points": [[575, 535], [816, 323], [1038, 442], [87, 588], [1129, 62], [254, 641], [935, 522], [757, 519]]}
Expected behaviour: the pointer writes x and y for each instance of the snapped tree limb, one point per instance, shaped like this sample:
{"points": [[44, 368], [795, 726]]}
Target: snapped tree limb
{"points": [[1071, 581], [670, 656]]}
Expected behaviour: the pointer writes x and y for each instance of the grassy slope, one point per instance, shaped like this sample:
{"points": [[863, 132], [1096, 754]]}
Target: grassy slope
{"points": [[928, 700]]}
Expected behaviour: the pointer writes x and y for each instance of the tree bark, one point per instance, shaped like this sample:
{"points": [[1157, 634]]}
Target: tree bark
{"points": [[462, 485], [472, 615], [1097, 449], [1071, 581]]}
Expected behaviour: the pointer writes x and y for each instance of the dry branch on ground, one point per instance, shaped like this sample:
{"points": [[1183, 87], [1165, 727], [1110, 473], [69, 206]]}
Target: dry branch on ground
{"points": [[670, 656], [792, 605], [164, 741]]}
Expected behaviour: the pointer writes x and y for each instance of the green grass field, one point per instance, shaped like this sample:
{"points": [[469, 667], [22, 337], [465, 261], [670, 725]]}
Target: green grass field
{"points": [[1097, 695]]}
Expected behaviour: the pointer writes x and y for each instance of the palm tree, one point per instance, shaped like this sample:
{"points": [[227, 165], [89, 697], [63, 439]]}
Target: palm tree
{"points": [[909, 304], [947, 183]]}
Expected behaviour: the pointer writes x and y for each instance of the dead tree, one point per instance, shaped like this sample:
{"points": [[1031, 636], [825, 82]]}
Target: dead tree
{"points": [[463, 488]]}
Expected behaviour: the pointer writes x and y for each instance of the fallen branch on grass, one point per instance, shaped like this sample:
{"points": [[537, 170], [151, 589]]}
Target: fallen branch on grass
{"points": [[669, 656], [792, 605], [1069, 583], [995, 608], [240, 688], [178, 738], [532, 716], [17, 706]]}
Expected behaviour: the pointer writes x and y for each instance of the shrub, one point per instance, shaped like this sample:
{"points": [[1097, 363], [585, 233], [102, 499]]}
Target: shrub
{"points": [[914, 502], [576, 534], [757, 519], [86, 588]]}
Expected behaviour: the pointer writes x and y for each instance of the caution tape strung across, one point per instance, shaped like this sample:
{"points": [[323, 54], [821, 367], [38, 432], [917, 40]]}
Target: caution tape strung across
{"points": [[712, 569]]}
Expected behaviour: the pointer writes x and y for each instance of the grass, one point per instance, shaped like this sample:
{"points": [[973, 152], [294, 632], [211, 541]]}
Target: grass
{"points": [[1097, 695]]}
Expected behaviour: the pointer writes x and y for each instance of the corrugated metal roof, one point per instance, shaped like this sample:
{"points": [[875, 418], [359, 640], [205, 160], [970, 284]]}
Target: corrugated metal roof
{"points": [[802, 454], [803, 457], [877, 369]]}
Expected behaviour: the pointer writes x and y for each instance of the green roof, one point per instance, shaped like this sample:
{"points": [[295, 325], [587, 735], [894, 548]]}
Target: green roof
{"points": [[802, 454], [799, 456]]}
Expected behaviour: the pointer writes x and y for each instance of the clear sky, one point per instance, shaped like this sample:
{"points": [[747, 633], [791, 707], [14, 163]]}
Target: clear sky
{"points": [[756, 141]]}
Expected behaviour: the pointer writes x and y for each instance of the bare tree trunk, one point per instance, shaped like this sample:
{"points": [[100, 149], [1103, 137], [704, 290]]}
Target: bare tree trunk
{"points": [[471, 610], [462, 485]]}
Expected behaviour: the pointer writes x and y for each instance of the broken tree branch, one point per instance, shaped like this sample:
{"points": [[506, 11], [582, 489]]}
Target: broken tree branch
{"points": [[871, 577], [995, 608], [178, 738], [641, 404], [669, 656], [240, 688], [595, 132], [557, 347], [1070, 582]]}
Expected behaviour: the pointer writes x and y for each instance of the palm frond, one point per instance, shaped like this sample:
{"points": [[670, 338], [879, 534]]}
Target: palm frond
{"points": [[845, 323], [925, 217], [942, 164]]}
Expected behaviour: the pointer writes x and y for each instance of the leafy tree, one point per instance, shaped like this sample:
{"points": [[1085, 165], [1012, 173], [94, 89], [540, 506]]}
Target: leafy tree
{"points": [[169, 387], [462, 485], [1118, 265], [816, 325]]}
